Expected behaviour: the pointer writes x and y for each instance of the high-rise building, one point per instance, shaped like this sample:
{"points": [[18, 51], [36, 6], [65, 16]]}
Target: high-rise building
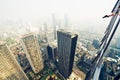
{"points": [[59, 24], [18, 52], [66, 21], [9, 68], [66, 50], [54, 20], [52, 50], [33, 53]]}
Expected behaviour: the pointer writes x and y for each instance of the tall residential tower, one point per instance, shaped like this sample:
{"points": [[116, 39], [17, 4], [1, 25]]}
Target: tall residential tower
{"points": [[33, 53], [9, 68]]}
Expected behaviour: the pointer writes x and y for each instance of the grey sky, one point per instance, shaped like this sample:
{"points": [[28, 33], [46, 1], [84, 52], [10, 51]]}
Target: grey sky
{"points": [[85, 13]]}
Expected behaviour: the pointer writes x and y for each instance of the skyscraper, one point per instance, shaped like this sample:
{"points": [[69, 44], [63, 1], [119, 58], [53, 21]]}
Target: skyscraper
{"points": [[54, 20], [9, 68], [52, 50], [45, 30], [33, 53], [66, 50], [66, 21]]}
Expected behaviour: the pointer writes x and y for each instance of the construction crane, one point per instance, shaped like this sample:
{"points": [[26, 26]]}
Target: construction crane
{"points": [[109, 33]]}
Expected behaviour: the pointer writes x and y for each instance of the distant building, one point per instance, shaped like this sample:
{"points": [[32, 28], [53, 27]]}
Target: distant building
{"points": [[66, 21], [33, 53], [110, 69], [9, 68], [46, 30], [59, 24], [54, 21], [96, 44], [66, 50]]}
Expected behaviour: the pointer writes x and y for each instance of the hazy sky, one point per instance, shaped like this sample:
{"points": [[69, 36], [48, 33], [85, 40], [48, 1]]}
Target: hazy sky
{"points": [[85, 13]]}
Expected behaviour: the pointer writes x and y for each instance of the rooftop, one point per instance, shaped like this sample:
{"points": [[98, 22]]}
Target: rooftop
{"points": [[53, 44], [68, 32], [26, 35]]}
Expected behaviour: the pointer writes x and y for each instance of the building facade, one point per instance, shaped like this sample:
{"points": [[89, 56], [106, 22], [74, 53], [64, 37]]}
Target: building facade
{"points": [[20, 55], [9, 68], [66, 50], [52, 51], [33, 53]]}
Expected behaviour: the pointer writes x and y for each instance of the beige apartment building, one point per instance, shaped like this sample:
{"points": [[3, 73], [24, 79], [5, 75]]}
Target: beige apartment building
{"points": [[32, 51], [9, 67]]}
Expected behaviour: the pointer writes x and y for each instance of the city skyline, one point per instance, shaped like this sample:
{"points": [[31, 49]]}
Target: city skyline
{"points": [[20, 14], [59, 40]]}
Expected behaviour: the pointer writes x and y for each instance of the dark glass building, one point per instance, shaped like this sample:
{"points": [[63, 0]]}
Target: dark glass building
{"points": [[52, 51], [66, 50]]}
